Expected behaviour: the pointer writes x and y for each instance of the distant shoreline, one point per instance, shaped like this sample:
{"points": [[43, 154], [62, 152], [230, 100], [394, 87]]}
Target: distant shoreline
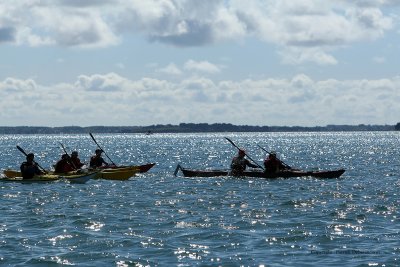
{"points": [[191, 128]]}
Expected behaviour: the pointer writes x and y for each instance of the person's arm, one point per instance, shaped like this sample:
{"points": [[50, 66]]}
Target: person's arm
{"points": [[232, 163], [79, 164], [266, 164], [22, 167], [104, 162], [92, 163], [37, 170], [57, 167]]}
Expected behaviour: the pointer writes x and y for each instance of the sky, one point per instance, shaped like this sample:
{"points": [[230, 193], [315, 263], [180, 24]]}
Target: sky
{"points": [[253, 62]]}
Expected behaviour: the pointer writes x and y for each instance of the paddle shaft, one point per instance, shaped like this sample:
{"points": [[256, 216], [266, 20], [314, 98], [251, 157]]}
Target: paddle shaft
{"points": [[230, 141], [23, 152], [270, 153], [91, 135]]}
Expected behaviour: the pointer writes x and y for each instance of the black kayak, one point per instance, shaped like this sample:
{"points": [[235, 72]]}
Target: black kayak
{"points": [[260, 174]]}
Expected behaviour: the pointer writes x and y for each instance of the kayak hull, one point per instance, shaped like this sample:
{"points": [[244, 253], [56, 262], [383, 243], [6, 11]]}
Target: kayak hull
{"points": [[79, 178], [124, 172], [11, 173], [259, 174], [146, 167], [121, 175], [72, 177], [45, 178], [140, 168]]}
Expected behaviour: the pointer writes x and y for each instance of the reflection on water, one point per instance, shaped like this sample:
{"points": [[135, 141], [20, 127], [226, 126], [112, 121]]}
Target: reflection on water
{"points": [[157, 219]]}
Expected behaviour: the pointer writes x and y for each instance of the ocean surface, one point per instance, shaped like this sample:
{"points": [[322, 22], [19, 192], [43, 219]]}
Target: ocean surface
{"points": [[157, 219]]}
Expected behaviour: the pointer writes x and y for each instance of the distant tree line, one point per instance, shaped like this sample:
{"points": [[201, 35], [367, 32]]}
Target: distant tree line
{"points": [[191, 128]]}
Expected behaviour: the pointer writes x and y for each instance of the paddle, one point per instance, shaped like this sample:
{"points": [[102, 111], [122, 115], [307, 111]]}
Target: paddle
{"points": [[287, 166], [23, 152], [230, 141], [91, 135], [178, 167], [69, 158]]}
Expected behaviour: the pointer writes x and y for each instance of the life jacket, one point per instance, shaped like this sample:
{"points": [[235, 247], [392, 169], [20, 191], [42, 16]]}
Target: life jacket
{"points": [[29, 169], [62, 166], [272, 165], [96, 162], [238, 165], [76, 162]]}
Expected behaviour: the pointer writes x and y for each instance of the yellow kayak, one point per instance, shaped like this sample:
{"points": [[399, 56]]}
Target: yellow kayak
{"points": [[11, 173], [123, 174], [118, 173], [118, 169], [45, 178], [77, 177]]}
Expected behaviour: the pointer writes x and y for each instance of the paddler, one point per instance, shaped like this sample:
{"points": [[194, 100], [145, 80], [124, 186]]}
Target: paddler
{"points": [[239, 163], [273, 165], [96, 161], [75, 161], [63, 165], [29, 168]]}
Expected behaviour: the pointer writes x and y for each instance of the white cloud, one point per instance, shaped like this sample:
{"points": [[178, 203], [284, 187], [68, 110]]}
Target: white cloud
{"points": [[300, 27], [26, 36], [171, 69], [76, 27], [48, 22], [111, 99], [97, 82], [296, 56], [16, 85], [201, 66], [307, 31], [190, 66]]}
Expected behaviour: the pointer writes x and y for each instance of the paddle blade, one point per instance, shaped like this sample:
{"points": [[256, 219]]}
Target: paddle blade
{"points": [[20, 149], [178, 167]]}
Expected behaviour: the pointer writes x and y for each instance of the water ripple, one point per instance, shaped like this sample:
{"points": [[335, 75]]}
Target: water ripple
{"points": [[157, 219]]}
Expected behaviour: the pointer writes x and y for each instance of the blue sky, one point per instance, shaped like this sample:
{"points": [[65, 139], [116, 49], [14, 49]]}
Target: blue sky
{"points": [[254, 62]]}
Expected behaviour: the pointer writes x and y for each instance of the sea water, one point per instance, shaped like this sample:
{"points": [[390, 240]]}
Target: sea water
{"points": [[157, 219]]}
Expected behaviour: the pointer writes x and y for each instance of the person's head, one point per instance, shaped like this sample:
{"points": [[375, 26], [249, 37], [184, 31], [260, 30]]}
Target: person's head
{"points": [[30, 157], [64, 156], [272, 154], [242, 153], [98, 152], [74, 154]]}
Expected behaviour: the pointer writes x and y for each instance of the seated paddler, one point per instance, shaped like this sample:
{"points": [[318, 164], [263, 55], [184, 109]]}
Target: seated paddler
{"points": [[63, 165], [239, 163], [29, 168], [273, 165], [75, 160], [97, 161]]}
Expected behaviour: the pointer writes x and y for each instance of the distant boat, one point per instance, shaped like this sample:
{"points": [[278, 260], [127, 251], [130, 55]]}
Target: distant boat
{"points": [[148, 133]]}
